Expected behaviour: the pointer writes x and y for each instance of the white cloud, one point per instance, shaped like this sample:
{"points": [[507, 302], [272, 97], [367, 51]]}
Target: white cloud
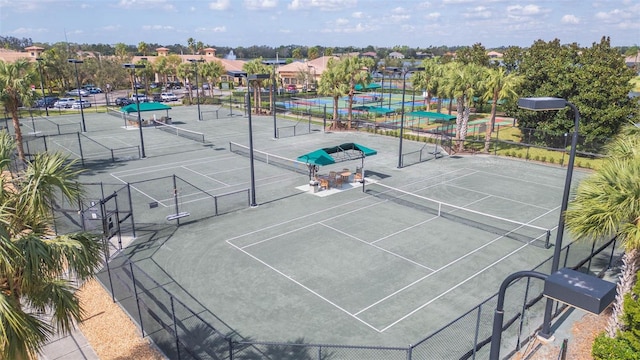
{"points": [[157, 27], [219, 5], [433, 16], [260, 4], [146, 4], [399, 10], [358, 15], [217, 29], [111, 28], [478, 12], [342, 21], [24, 30], [526, 10], [322, 5], [570, 19], [400, 18]]}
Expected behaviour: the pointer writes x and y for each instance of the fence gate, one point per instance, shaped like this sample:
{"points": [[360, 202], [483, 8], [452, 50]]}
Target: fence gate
{"points": [[111, 215]]}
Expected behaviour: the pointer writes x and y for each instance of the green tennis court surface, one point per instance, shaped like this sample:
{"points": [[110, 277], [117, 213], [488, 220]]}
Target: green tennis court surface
{"points": [[386, 266]]}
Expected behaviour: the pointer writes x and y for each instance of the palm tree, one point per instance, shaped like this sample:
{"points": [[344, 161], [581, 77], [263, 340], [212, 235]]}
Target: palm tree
{"points": [[15, 89], [606, 205], [462, 82], [211, 71], [354, 71], [143, 47], [500, 85], [332, 84], [185, 71], [256, 66], [34, 261]]}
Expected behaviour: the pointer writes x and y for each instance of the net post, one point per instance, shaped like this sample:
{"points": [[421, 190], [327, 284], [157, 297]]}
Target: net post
{"points": [[546, 243], [215, 205], [175, 198]]}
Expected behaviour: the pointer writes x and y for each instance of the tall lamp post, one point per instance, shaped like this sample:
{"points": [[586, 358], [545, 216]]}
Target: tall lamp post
{"points": [[404, 73], [75, 63], [133, 68], [552, 103], [44, 102], [253, 178], [195, 62]]}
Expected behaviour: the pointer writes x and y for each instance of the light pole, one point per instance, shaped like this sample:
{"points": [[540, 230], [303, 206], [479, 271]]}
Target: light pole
{"points": [[195, 62], [75, 63], [44, 101], [253, 178], [571, 287], [551, 103], [404, 73], [133, 68]]}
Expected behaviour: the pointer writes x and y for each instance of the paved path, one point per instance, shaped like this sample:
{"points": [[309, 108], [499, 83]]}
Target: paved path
{"points": [[73, 346]]}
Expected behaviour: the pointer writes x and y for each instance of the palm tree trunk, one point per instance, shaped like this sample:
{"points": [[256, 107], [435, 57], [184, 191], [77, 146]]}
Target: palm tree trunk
{"points": [[630, 266], [18, 132], [459, 115], [491, 122]]}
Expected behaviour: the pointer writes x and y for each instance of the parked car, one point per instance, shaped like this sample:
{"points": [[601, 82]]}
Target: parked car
{"points": [[47, 101], [121, 101], [81, 104], [64, 103], [78, 92], [292, 89], [140, 98], [168, 96], [157, 98], [95, 90], [205, 86]]}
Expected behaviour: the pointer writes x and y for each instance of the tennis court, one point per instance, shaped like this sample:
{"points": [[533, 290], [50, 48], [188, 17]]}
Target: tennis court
{"points": [[385, 266]]}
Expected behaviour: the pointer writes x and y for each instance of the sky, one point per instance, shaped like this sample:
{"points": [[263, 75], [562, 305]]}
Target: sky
{"points": [[328, 23]]}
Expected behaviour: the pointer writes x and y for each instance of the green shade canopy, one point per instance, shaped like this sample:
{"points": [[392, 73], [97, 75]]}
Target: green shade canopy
{"points": [[371, 86], [332, 155], [432, 115], [145, 106], [374, 109]]}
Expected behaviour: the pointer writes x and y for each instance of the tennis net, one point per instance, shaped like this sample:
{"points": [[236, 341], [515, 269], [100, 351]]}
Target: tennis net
{"points": [[187, 134], [275, 160], [527, 233]]}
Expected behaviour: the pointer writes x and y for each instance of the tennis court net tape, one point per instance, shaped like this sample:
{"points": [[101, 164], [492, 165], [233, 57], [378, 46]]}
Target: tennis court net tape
{"points": [[275, 160], [512, 229], [187, 134]]}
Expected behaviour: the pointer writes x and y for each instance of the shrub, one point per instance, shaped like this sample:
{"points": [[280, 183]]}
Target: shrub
{"points": [[605, 348], [552, 160], [543, 158], [519, 155]]}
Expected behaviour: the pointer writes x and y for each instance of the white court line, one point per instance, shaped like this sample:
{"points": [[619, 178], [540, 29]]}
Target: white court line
{"points": [[378, 247], [167, 166], [517, 179], [498, 196], [446, 266], [141, 192], [306, 226], [203, 175], [66, 148], [307, 288]]}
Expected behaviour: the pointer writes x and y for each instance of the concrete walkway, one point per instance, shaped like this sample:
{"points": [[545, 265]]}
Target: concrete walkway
{"points": [[73, 346]]}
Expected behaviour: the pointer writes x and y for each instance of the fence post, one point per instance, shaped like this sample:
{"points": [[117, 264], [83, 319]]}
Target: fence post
{"points": [[175, 327], [135, 293], [80, 146], [495, 147], [324, 119], [175, 199], [475, 338], [230, 348]]}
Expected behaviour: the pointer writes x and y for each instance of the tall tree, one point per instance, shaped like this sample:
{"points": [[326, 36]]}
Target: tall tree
{"points": [[332, 84], [462, 83], [15, 89], [477, 54], [211, 72], [499, 85], [143, 48], [312, 53], [33, 261], [296, 53], [606, 205], [354, 71], [257, 67], [185, 72]]}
